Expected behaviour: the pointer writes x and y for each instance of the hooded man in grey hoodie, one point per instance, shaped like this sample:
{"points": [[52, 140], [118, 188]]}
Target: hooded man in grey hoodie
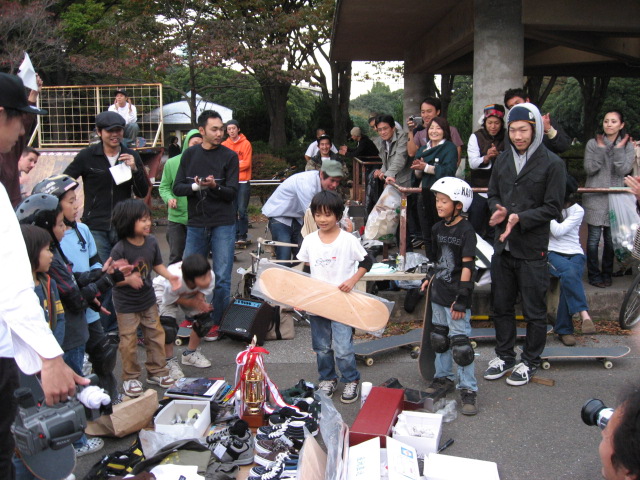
{"points": [[525, 194]]}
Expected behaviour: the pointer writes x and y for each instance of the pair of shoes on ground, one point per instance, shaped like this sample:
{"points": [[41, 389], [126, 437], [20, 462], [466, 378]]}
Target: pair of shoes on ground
{"points": [[232, 445], [291, 414], [93, 445], [445, 386], [134, 388], [350, 392], [521, 373], [195, 359], [283, 465]]}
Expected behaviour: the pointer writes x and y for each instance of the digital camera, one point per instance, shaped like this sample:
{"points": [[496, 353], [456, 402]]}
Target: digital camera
{"points": [[417, 119]]}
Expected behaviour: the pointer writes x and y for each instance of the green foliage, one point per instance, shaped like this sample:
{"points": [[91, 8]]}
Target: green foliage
{"points": [[265, 166], [461, 107], [380, 99]]}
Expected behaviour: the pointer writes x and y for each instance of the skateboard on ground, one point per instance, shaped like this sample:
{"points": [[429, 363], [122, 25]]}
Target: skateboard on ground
{"points": [[602, 354], [291, 287], [182, 337], [243, 244], [427, 357], [410, 340], [489, 333]]}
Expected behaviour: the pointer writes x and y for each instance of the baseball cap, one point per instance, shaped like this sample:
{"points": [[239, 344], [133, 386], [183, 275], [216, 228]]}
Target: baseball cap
{"points": [[109, 121], [12, 95], [121, 91], [333, 168]]}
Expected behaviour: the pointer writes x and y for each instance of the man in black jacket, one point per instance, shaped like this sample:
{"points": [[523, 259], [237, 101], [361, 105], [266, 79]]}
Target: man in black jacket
{"points": [[208, 177], [526, 191], [364, 145]]}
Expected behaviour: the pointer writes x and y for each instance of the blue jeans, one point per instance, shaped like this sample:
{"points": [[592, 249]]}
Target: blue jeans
{"points": [[333, 344], [569, 269], [221, 242], [105, 240], [241, 203], [285, 233], [593, 266], [465, 377], [75, 359]]}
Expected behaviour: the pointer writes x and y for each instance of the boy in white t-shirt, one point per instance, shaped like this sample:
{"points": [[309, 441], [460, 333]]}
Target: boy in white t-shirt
{"points": [[194, 298], [337, 257]]}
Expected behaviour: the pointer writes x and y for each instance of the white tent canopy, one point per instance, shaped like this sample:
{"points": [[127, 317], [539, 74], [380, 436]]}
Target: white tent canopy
{"points": [[179, 113]]}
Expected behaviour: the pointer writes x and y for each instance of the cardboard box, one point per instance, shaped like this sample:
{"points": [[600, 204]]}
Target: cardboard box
{"points": [[446, 467], [377, 416], [164, 421], [428, 422]]}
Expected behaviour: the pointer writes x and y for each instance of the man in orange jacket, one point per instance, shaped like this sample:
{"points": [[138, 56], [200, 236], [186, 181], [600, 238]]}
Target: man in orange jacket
{"points": [[239, 144]]}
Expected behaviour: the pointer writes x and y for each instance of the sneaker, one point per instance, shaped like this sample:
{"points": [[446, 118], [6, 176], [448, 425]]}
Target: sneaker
{"points": [[498, 368], [93, 445], [441, 383], [175, 371], [195, 359], [521, 374], [568, 340], [237, 428], [588, 327], [234, 449], [162, 382], [289, 413], [213, 334], [468, 398], [290, 461], [186, 324], [268, 449], [132, 388], [328, 387], [290, 429], [350, 392], [274, 473]]}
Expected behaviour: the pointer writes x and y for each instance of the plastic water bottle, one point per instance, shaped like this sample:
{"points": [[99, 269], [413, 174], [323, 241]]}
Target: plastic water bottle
{"points": [[400, 263]]}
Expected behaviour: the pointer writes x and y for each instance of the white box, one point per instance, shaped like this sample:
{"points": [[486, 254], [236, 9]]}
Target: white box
{"points": [[445, 467], [164, 421], [367, 461], [426, 421]]}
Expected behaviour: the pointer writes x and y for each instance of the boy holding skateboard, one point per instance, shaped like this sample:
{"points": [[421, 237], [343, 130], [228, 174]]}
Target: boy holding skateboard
{"points": [[451, 291], [337, 257]]}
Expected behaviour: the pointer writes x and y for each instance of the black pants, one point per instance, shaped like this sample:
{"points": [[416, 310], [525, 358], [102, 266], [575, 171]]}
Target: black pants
{"points": [[177, 239], [509, 276], [428, 218], [8, 407], [479, 215]]}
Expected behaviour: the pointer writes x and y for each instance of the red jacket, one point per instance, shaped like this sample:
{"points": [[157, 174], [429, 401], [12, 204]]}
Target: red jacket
{"points": [[245, 153]]}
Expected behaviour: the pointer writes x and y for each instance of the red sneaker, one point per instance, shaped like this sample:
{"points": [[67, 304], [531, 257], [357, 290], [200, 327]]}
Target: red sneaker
{"points": [[213, 334], [186, 324]]}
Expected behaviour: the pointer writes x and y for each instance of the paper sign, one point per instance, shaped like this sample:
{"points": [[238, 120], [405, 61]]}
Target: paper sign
{"points": [[120, 173], [402, 460], [364, 460], [27, 73]]}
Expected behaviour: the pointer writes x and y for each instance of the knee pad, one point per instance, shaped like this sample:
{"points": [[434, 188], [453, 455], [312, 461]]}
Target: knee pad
{"points": [[103, 356], [202, 323], [461, 350], [440, 338], [170, 327]]}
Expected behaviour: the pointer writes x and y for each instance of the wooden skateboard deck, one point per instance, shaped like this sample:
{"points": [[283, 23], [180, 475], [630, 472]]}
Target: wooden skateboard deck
{"points": [[292, 288], [427, 357], [602, 354], [273, 243], [365, 350]]}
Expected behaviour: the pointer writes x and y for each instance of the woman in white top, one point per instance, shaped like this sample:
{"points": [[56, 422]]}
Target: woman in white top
{"points": [[127, 110], [566, 262]]}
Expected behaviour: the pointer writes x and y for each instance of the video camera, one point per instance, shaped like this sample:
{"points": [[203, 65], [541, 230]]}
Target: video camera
{"points": [[595, 412], [417, 119], [39, 426]]}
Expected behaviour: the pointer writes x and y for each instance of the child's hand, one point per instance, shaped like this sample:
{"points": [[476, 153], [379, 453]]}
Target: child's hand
{"points": [[121, 265], [203, 306], [455, 315], [424, 285], [135, 281], [175, 282], [347, 285], [102, 309]]}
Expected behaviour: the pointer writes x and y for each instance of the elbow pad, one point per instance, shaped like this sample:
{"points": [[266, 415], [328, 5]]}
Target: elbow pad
{"points": [[463, 300]]}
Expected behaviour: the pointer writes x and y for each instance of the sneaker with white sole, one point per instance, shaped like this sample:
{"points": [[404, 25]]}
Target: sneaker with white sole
{"points": [[328, 387], [93, 445], [234, 449], [498, 368], [132, 388], [175, 371], [195, 359], [213, 334], [521, 374], [237, 428], [350, 392], [162, 382]]}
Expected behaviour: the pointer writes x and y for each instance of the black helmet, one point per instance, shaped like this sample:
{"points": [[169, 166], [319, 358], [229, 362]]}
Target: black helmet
{"points": [[57, 185], [39, 209]]}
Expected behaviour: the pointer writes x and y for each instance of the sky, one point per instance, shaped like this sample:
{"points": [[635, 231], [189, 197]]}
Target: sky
{"points": [[360, 86]]}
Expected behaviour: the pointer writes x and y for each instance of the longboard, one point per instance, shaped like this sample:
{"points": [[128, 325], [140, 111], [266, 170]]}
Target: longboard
{"points": [[427, 357], [365, 350], [292, 288], [602, 354]]}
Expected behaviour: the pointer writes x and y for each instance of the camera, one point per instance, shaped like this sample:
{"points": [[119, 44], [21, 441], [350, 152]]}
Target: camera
{"points": [[417, 119], [595, 412], [427, 267]]}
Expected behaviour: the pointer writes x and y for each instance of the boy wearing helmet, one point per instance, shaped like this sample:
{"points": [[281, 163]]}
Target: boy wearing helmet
{"points": [[451, 291]]}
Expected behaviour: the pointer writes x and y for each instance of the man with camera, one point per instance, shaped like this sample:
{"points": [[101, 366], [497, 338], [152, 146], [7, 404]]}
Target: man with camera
{"points": [[26, 340]]}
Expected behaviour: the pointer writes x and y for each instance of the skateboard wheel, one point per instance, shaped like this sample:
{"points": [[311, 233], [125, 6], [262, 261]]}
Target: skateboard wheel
{"points": [[178, 341], [607, 364], [545, 365], [474, 344], [368, 361], [415, 352]]}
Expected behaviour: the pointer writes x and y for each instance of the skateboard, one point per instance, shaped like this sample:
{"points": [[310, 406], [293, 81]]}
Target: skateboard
{"points": [[490, 334], [292, 288], [243, 244], [273, 243], [427, 357], [602, 354], [411, 339], [182, 337]]}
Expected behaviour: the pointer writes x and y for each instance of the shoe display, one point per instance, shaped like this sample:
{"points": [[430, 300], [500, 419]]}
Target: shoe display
{"points": [[350, 392], [468, 399], [213, 334], [274, 473], [497, 368], [328, 387], [93, 445], [290, 428], [289, 460], [162, 382], [195, 359], [132, 388], [234, 449], [291, 414], [568, 340], [175, 371], [588, 327], [238, 428], [267, 450], [441, 383], [521, 374]]}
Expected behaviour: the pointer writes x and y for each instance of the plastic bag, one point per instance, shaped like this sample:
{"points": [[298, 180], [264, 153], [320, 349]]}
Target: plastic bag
{"points": [[624, 222], [332, 429], [152, 441], [383, 220]]}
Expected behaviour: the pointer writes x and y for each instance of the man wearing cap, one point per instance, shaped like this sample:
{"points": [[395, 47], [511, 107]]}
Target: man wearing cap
{"points": [[364, 145], [526, 192], [127, 110], [239, 144], [26, 341], [287, 205]]}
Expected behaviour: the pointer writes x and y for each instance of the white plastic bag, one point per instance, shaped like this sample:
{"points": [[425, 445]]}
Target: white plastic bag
{"points": [[624, 221], [383, 220]]}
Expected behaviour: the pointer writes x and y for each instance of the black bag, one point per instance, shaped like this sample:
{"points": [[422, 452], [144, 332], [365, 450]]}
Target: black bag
{"points": [[119, 463]]}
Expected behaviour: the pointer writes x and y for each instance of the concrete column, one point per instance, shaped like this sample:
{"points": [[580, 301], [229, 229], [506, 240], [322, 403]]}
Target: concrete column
{"points": [[416, 87], [498, 51]]}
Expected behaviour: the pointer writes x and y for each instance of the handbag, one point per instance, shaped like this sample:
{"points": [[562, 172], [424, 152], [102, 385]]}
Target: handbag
{"points": [[282, 328]]}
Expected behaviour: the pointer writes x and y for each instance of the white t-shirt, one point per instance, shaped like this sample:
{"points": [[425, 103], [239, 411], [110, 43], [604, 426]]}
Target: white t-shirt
{"points": [[312, 149], [565, 237], [128, 112], [332, 262], [169, 297]]}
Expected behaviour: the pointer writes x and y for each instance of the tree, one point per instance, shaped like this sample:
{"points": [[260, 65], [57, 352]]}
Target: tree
{"points": [[593, 91], [461, 107]]}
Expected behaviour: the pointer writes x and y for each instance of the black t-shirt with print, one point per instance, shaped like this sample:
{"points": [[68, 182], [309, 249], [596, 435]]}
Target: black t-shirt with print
{"points": [[453, 243]]}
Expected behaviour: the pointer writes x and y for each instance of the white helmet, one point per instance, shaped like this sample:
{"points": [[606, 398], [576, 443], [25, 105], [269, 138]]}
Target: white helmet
{"points": [[456, 189]]}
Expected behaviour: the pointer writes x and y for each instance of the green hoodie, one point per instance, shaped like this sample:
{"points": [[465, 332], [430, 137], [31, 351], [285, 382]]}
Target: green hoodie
{"points": [[179, 214]]}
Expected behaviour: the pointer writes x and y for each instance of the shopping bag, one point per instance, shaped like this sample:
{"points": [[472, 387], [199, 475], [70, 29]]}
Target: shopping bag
{"points": [[624, 220], [128, 417], [383, 220]]}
